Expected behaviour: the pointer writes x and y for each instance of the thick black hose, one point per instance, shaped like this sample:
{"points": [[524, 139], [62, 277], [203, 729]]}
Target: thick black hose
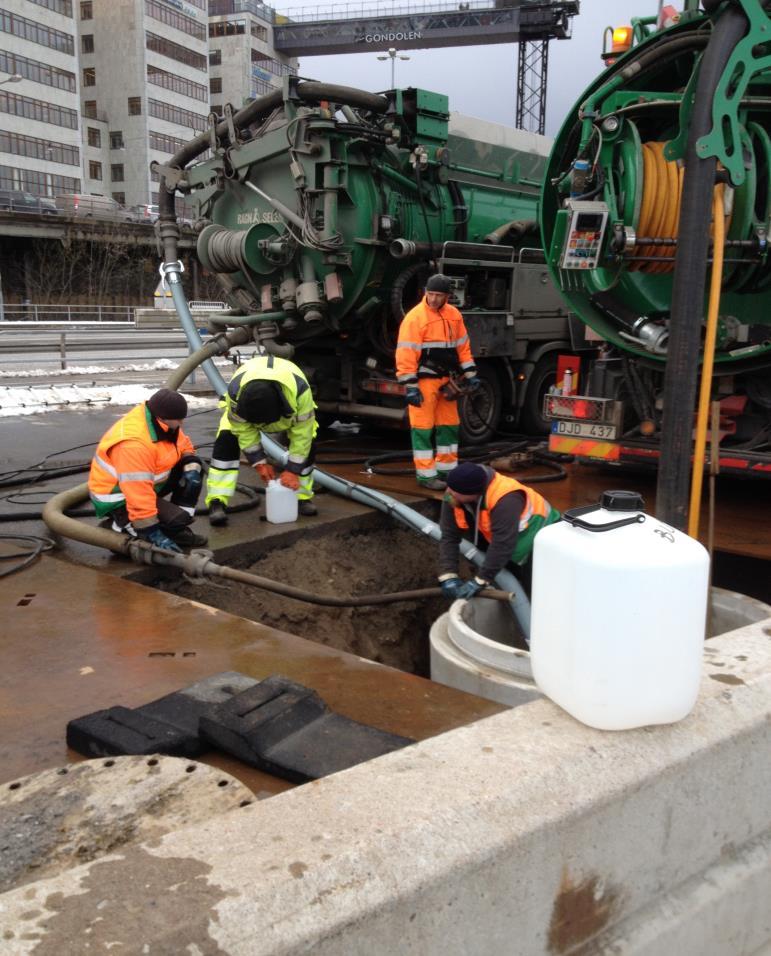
{"points": [[687, 307], [39, 545]]}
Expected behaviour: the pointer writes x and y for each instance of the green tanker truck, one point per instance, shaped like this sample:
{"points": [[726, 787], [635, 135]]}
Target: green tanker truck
{"points": [[662, 169], [322, 211]]}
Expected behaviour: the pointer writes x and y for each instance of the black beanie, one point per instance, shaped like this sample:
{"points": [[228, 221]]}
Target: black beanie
{"points": [[260, 402], [439, 283], [169, 404], [467, 479]]}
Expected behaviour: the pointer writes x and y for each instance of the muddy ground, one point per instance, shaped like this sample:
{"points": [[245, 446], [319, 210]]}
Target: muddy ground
{"points": [[350, 563]]}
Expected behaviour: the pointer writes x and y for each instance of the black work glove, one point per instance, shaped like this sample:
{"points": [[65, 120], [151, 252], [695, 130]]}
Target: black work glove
{"points": [[413, 396]]}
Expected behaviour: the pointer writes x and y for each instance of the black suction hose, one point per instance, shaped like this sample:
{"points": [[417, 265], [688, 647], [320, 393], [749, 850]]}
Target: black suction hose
{"points": [[688, 286]]}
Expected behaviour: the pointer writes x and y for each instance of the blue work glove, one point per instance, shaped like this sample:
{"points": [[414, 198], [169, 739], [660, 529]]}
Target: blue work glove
{"points": [[192, 479], [473, 383], [470, 588], [450, 588], [413, 396], [159, 538]]}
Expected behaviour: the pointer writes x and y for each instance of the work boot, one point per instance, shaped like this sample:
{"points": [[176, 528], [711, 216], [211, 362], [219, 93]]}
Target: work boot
{"points": [[433, 484], [307, 508], [187, 538], [217, 515]]}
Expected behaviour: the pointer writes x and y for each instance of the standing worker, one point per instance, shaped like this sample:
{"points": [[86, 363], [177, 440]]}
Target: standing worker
{"points": [[506, 513], [142, 458], [272, 395], [433, 344]]}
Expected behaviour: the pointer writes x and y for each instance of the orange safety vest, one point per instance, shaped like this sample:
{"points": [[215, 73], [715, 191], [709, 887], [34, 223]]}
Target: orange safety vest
{"points": [[130, 463], [535, 504], [422, 329]]}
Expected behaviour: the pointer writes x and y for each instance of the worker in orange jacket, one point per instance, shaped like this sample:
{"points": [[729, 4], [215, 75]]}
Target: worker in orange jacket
{"points": [[143, 457], [432, 344], [483, 504]]}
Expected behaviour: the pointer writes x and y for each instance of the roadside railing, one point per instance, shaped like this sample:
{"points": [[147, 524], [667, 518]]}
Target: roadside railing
{"points": [[69, 314]]}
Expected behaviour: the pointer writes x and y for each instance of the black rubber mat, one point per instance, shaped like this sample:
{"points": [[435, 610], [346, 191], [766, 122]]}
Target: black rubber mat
{"points": [[287, 730], [168, 725]]}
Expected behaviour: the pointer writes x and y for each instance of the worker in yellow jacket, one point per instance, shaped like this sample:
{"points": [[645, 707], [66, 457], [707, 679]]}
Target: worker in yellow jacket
{"points": [[141, 459], [432, 344], [497, 513], [272, 395]]}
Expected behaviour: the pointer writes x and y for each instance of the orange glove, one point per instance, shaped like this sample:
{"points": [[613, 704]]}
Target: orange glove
{"points": [[290, 480], [265, 471]]}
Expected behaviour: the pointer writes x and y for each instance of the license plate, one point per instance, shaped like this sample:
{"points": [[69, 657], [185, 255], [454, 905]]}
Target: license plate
{"points": [[584, 430]]}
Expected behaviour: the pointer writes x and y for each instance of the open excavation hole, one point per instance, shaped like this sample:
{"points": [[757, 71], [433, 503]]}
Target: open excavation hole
{"points": [[350, 563]]}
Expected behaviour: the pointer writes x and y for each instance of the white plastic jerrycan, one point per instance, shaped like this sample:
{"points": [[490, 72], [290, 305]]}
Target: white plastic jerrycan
{"points": [[619, 604], [280, 503]]}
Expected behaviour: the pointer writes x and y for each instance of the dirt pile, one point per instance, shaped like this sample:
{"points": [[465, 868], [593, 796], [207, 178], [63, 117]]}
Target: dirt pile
{"points": [[343, 564]]}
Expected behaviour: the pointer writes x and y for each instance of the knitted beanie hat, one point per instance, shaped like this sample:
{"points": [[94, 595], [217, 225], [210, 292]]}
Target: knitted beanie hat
{"points": [[439, 283], [169, 404], [260, 402], [467, 479]]}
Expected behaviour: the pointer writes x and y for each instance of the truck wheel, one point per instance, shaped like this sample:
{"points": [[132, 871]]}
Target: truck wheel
{"points": [[480, 412], [544, 375]]}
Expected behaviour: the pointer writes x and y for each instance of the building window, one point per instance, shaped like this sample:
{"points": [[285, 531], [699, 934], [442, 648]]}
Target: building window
{"points": [[89, 109], [170, 81], [94, 137], [36, 32], [164, 143], [135, 106], [36, 182], [94, 170], [215, 84], [227, 28], [116, 139], [89, 76], [87, 43], [259, 33], [176, 115], [116, 172], [29, 108], [177, 21], [36, 71], [215, 57], [119, 198], [87, 10], [37, 148], [175, 51], [58, 6]]}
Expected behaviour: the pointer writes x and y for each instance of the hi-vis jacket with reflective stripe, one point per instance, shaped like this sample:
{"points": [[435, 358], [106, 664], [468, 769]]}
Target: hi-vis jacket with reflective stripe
{"points": [[298, 419], [131, 463], [432, 344], [535, 504]]}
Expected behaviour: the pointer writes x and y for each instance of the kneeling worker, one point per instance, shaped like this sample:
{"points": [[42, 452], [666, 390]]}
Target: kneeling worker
{"points": [[143, 457], [506, 513], [272, 395]]}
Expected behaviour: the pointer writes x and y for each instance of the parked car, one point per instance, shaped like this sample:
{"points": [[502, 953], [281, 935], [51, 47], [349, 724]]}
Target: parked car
{"points": [[79, 205], [143, 212], [18, 200]]}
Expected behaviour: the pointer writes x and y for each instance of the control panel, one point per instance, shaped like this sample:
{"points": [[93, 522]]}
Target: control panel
{"points": [[586, 230]]}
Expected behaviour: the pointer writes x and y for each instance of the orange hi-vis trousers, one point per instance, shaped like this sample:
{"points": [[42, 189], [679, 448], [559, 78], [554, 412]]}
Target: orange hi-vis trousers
{"points": [[435, 427]]}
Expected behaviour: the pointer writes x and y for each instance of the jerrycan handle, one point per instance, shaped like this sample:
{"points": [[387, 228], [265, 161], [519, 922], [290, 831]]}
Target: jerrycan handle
{"points": [[611, 501]]}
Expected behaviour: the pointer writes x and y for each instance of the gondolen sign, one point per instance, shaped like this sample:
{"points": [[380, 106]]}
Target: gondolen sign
{"points": [[393, 37]]}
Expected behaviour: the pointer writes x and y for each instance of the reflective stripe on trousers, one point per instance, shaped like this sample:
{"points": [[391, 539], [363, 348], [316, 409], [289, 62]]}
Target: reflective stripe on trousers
{"points": [[435, 427]]}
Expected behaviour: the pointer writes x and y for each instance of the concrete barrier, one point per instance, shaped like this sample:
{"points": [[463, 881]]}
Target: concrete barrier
{"points": [[524, 833]]}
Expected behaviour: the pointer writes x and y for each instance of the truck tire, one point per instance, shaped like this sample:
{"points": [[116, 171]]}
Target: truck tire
{"points": [[480, 412], [543, 376]]}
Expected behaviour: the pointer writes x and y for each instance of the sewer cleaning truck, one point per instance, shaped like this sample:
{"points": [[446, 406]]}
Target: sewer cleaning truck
{"points": [[630, 218], [323, 210]]}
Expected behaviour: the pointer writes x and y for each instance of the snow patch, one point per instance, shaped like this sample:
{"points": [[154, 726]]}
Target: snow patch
{"points": [[31, 400]]}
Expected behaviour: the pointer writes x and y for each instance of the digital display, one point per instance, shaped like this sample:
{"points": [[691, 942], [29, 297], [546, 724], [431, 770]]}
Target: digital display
{"points": [[589, 222]]}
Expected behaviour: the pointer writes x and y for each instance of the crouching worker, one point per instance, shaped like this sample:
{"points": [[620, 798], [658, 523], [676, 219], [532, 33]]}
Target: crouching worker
{"points": [[268, 394], [141, 459], [480, 502]]}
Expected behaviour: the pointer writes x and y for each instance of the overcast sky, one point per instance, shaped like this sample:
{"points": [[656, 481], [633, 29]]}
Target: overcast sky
{"points": [[481, 80]]}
